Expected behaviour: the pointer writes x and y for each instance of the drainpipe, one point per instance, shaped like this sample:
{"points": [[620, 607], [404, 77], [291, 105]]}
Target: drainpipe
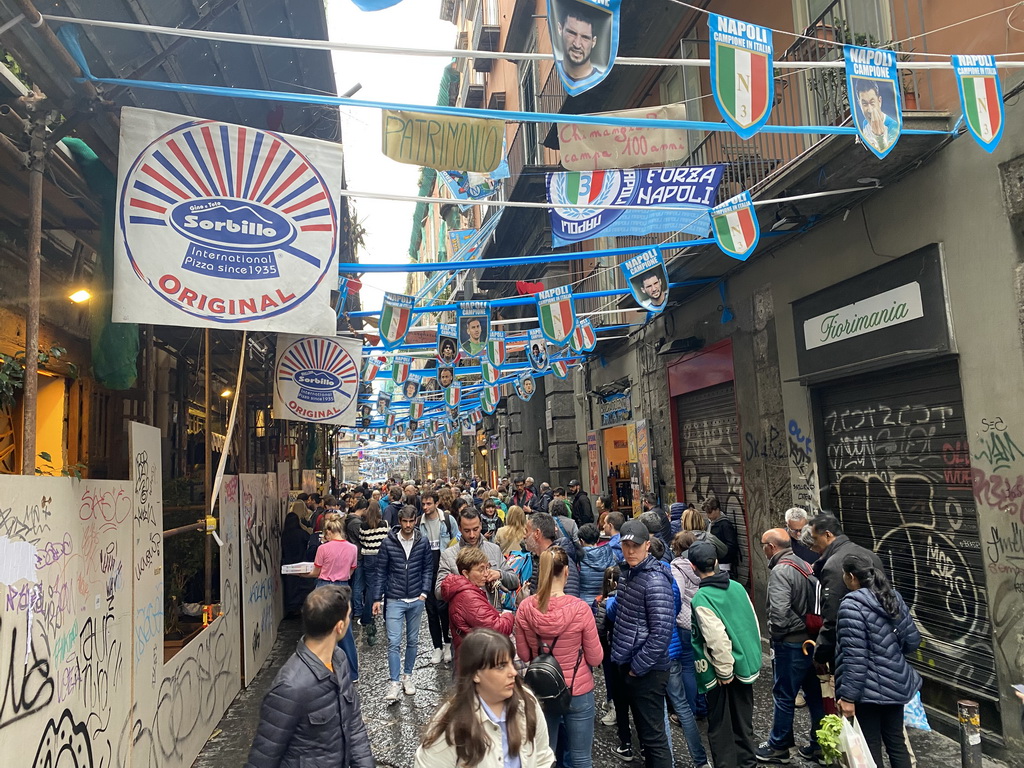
{"points": [[36, 165], [208, 472]]}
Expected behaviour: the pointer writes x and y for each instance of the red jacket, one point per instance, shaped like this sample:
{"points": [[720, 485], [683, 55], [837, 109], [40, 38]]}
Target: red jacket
{"points": [[570, 623], [469, 609]]}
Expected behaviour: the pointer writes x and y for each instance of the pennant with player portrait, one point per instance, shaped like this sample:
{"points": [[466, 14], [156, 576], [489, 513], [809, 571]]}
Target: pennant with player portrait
{"points": [[742, 73], [490, 396], [490, 373], [584, 338], [411, 387], [873, 88], [395, 319], [585, 36], [496, 348], [647, 279], [537, 350], [453, 394], [474, 320], [447, 343], [445, 376], [383, 401], [525, 386], [453, 414], [556, 313], [735, 227], [401, 366], [981, 98]]}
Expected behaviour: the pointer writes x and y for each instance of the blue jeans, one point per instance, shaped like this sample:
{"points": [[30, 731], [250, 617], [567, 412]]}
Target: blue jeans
{"points": [[348, 643], [396, 614], [793, 671], [676, 692], [577, 725]]}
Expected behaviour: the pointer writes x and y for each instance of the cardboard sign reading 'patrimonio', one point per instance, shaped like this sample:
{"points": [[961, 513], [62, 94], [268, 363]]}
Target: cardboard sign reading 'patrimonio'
{"points": [[224, 226], [317, 379]]}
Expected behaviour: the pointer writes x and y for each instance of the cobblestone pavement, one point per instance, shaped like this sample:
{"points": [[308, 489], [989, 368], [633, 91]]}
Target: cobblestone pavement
{"points": [[394, 731]]}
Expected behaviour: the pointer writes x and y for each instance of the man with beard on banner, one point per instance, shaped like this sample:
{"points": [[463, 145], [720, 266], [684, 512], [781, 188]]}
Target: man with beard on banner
{"points": [[525, 386], [585, 36], [647, 278]]}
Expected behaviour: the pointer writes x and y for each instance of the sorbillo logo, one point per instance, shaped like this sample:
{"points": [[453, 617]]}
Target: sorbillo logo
{"points": [[317, 379]]}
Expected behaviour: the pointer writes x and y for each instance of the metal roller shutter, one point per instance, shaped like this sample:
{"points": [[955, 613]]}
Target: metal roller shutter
{"points": [[899, 472], [711, 461]]}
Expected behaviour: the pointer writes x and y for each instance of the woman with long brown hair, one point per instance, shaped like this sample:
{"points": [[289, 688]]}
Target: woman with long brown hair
{"points": [[563, 625], [490, 715]]}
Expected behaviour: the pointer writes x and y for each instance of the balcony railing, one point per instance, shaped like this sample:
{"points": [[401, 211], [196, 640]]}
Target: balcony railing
{"points": [[808, 97]]}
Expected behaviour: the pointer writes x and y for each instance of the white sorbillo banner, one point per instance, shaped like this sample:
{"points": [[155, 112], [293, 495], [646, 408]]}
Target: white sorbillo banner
{"points": [[316, 378], [224, 226]]}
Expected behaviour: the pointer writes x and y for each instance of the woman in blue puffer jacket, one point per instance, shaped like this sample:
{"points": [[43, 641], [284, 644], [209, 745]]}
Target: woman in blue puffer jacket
{"points": [[874, 634]]}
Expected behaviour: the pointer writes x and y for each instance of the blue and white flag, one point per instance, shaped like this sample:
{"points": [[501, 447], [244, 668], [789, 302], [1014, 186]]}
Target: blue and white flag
{"points": [[411, 387], [872, 86], [447, 343], [537, 350], [401, 365], [734, 225], [556, 312], [670, 200], [525, 386], [981, 98], [585, 39], [742, 73], [647, 279]]}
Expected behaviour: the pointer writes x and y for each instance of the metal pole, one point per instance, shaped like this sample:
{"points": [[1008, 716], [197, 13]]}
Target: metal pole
{"points": [[37, 162], [150, 377], [208, 471], [970, 733]]}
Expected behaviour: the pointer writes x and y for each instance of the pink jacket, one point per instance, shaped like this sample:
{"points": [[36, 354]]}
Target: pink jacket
{"points": [[570, 622]]}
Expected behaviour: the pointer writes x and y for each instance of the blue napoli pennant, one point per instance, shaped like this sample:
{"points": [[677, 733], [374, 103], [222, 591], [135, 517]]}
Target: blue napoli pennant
{"points": [[647, 279], [556, 312], [374, 5], [474, 321], [872, 86], [585, 41], [742, 73], [981, 98], [395, 319]]}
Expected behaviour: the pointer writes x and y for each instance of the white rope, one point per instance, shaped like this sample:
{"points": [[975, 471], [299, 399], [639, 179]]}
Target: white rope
{"points": [[458, 53]]}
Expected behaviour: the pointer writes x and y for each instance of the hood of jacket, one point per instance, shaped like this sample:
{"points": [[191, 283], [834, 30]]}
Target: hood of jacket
{"points": [[455, 583], [682, 566], [720, 580]]}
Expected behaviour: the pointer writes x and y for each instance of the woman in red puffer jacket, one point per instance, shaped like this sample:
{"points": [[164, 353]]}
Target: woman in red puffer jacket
{"points": [[468, 606], [565, 625]]}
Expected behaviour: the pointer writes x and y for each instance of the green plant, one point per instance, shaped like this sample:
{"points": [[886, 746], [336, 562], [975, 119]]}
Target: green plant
{"points": [[828, 739], [70, 470], [12, 372]]}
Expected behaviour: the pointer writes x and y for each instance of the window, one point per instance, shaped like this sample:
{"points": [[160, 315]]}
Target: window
{"points": [[528, 103]]}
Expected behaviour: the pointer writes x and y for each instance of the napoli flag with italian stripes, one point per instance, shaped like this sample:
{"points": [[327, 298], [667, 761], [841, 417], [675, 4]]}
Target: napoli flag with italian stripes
{"points": [[556, 313], [742, 73], [981, 98], [735, 226], [395, 319], [224, 226]]}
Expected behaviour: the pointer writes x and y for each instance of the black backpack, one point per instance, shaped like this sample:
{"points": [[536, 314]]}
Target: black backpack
{"points": [[547, 681]]}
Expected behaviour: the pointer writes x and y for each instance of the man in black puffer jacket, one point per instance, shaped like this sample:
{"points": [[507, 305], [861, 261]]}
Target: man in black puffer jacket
{"points": [[311, 715], [405, 569], [832, 546]]}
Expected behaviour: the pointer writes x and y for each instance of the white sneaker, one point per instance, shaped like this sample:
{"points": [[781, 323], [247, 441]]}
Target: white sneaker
{"points": [[394, 692], [609, 716], [409, 685], [435, 657], [447, 653]]}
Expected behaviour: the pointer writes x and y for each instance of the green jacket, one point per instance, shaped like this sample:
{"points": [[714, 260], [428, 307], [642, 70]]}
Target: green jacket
{"points": [[726, 637]]}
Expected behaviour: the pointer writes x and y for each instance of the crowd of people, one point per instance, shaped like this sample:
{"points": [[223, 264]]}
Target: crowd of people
{"points": [[531, 593]]}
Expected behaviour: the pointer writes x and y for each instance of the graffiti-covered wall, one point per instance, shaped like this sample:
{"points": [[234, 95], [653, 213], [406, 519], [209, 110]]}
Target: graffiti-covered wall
{"points": [[83, 676]]}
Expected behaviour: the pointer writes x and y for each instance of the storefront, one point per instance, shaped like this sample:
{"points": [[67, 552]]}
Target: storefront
{"points": [[878, 355], [706, 438]]}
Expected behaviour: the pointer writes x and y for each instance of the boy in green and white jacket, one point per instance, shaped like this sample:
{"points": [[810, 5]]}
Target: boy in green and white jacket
{"points": [[727, 656]]}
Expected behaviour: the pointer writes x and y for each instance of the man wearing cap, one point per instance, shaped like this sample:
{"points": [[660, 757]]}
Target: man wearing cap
{"points": [[644, 620], [727, 656], [582, 512]]}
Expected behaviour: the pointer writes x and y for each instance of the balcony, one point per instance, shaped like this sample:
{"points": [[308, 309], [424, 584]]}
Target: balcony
{"points": [[486, 32]]}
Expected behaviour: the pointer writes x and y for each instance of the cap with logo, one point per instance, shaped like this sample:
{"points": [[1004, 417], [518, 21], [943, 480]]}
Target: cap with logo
{"points": [[634, 531], [703, 555]]}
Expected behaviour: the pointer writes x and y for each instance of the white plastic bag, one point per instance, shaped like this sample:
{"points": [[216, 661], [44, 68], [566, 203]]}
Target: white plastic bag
{"points": [[854, 746]]}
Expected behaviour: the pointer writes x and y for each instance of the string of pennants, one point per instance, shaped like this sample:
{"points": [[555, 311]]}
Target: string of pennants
{"points": [[223, 225]]}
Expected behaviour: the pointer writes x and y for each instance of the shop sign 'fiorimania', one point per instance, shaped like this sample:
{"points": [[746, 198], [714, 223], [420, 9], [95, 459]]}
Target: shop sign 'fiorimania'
{"points": [[222, 226]]}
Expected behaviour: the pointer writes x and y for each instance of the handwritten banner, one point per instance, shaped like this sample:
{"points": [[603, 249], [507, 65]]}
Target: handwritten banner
{"points": [[442, 142], [597, 147]]}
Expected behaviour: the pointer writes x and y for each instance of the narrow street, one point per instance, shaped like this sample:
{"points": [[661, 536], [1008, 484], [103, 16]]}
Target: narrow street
{"points": [[395, 730]]}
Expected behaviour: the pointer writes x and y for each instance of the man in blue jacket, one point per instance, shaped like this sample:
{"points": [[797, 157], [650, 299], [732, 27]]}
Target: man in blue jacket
{"points": [[312, 712], [644, 623], [404, 574]]}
